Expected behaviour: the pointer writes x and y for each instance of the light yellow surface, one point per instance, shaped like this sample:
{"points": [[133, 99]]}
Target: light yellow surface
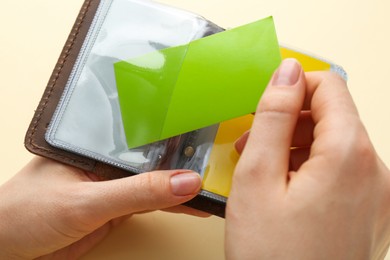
{"points": [[354, 34]]}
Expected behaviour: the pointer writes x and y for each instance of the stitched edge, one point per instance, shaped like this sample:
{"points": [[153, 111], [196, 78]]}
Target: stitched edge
{"points": [[58, 70]]}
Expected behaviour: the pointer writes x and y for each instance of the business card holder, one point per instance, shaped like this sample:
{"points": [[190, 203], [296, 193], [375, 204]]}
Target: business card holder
{"points": [[114, 107]]}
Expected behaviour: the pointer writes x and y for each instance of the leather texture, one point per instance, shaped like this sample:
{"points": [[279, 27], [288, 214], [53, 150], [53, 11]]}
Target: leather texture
{"points": [[35, 138]]}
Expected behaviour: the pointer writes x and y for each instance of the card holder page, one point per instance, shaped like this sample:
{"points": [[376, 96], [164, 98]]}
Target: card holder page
{"points": [[88, 118]]}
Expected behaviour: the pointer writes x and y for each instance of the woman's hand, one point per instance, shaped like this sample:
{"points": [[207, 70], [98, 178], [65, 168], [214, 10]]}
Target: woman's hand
{"points": [[328, 197], [49, 209]]}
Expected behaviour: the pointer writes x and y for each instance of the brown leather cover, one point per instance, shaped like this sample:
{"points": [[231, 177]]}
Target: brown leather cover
{"points": [[35, 141], [35, 138]]}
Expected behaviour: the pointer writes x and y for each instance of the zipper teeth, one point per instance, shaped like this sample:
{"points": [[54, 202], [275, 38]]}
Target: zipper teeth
{"points": [[82, 58], [339, 70], [76, 72], [213, 196], [97, 157]]}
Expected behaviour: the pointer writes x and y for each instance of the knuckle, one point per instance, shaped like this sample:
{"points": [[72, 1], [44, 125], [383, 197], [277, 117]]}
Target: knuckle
{"points": [[247, 172], [278, 104], [328, 78], [151, 192], [357, 153], [145, 184], [152, 183], [331, 76], [146, 181]]}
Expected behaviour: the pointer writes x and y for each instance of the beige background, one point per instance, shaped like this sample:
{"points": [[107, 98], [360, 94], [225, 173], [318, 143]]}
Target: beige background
{"points": [[354, 34]]}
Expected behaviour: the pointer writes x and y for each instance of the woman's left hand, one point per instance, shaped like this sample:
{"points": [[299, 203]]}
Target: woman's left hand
{"points": [[49, 209]]}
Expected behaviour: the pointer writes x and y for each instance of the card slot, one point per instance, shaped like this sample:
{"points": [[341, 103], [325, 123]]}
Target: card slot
{"points": [[88, 119]]}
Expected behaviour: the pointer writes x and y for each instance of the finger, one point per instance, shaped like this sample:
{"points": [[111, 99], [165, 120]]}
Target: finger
{"points": [[333, 110], [303, 135], [181, 209], [328, 88], [339, 135], [241, 142], [142, 192], [265, 159], [297, 157], [85, 244]]}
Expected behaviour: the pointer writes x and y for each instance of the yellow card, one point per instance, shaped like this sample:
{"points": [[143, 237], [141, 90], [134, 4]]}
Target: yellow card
{"points": [[217, 177]]}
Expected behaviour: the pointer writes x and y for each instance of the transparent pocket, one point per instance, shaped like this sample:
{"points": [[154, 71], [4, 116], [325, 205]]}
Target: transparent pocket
{"points": [[88, 118]]}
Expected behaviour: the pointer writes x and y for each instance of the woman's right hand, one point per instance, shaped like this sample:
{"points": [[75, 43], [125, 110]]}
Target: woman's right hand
{"points": [[329, 197]]}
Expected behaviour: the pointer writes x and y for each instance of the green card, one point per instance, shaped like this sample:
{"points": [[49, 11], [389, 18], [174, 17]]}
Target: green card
{"points": [[180, 89]]}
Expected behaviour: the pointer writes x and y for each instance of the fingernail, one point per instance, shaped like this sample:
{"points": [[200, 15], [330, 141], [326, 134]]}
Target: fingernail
{"points": [[186, 183], [240, 143], [288, 73]]}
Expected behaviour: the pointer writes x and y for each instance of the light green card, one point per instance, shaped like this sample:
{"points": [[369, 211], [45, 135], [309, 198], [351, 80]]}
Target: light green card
{"points": [[184, 88]]}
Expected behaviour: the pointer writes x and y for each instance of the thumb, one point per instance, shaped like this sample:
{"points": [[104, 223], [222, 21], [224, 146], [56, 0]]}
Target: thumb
{"points": [[143, 192], [265, 159]]}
